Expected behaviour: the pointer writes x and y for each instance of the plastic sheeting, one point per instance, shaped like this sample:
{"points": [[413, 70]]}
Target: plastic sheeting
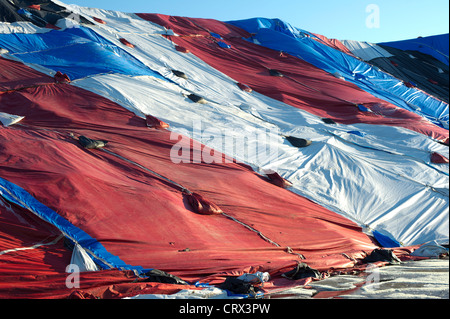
{"points": [[232, 109], [431, 249], [9, 119], [263, 227], [31, 248], [303, 85], [417, 69], [436, 46], [365, 50], [204, 294], [414, 68], [280, 36], [78, 52], [21, 27], [329, 146], [85, 203], [42, 14], [28, 77], [97, 192], [82, 260]]}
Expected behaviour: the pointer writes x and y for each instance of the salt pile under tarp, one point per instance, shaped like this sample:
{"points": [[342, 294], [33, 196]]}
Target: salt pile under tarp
{"points": [[256, 159]]}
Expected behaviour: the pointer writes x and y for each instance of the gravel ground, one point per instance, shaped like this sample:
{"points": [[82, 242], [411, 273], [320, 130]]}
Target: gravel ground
{"points": [[425, 279]]}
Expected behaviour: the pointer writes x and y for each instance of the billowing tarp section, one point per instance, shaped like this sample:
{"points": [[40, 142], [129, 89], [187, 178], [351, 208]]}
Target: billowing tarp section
{"points": [[436, 46], [280, 36], [195, 152]]}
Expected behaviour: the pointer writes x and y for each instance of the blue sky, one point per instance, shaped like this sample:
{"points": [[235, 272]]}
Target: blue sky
{"points": [[340, 19]]}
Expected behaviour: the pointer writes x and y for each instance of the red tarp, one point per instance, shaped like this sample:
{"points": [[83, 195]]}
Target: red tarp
{"points": [[303, 86], [9, 79], [333, 43], [20, 229], [144, 219], [37, 270]]}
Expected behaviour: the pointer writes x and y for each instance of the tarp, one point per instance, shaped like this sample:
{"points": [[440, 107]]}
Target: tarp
{"points": [[174, 197], [280, 36], [412, 67], [114, 196], [366, 50], [136, 98], [41, 13], [34, 258], [419, 70], [304, 85], [78, 52], [436, 46], [9, 12]]}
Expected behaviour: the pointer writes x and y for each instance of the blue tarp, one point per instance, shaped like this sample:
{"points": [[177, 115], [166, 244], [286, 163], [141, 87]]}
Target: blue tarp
{"points": [[385, 240], [78, 52], [436, 46], [280, 36]]}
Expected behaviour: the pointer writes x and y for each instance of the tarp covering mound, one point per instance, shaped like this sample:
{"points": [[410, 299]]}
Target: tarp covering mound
{"points": [[124, 207], [115, 159]]}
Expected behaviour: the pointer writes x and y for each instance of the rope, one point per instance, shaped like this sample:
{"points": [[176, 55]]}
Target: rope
{"points": [[32, 247]]}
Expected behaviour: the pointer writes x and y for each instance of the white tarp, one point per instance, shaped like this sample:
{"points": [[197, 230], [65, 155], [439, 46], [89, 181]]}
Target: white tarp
{"points": [[21, 27], [82, 260], [430, 250], [9, 119]]}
